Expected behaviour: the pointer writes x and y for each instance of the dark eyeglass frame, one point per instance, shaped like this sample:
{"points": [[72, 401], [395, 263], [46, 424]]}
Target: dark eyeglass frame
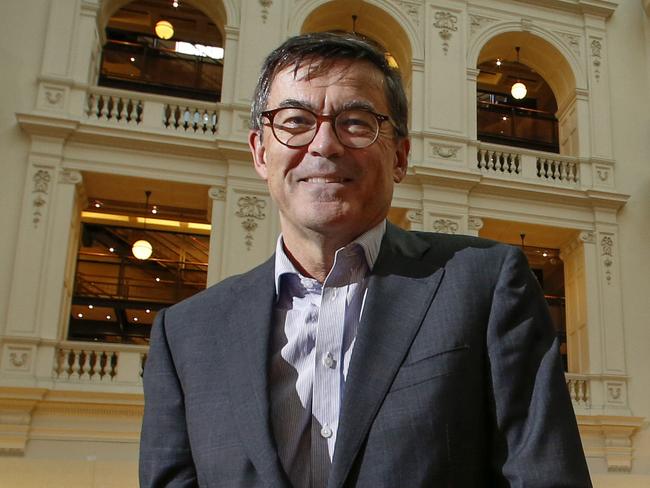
{"points": [[320, 118]]}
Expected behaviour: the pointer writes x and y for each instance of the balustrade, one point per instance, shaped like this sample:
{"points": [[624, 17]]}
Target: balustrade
{"points": [[503, 161], [86, 364], [187, 118], [109, 107], [150, 111], [578, 386], [100, 364], [498, 161]]}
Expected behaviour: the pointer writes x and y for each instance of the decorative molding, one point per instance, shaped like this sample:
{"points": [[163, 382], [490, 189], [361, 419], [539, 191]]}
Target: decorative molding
{"points": [[217, 193], [19, 359], [475, 223], [53, 97], [526, 24], [446, 23], [587, 237], [15, 420], [266, 4], [603, 173], [615, 434], [445, 151], [412, 9], [478, 22], [445, 226], [70, 177], [596, 46], [572, 40], [250, 210], [40, 190], [414, 216], [607, 245], [615, 392]]}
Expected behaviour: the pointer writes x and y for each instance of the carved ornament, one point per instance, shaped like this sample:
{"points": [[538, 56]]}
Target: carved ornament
{"points": [[475, 223], [250, 211], [266, 4], [217, 193], [446, 23], [596, 46], [445, 151], [477, 22], [445, 226], [414, 216], [40, 190], [607, 244], [412, 9]]}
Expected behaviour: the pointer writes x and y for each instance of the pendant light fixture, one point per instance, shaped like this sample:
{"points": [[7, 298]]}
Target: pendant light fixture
{"points": [[142, 248], [518, 90], [164, 29]]}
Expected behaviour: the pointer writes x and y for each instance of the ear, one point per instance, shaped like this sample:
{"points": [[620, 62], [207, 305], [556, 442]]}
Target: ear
{"points": [[403, 146], [258, 152]]}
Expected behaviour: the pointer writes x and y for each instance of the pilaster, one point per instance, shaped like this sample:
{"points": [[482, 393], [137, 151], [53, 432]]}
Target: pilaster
{"points": [[218, 196]]}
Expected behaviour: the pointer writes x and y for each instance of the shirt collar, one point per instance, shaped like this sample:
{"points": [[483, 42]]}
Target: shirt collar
{"points": [[370, 242]]}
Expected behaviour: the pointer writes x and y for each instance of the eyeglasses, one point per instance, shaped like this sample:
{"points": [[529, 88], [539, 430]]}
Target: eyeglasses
{"points": [[296, 127]]}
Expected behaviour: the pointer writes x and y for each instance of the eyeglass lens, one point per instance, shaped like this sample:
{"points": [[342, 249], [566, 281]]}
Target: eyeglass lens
{"points": [[297, 127]]}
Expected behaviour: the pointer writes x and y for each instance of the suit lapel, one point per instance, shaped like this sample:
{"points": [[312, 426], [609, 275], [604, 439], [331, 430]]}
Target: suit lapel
{"points": [[246, 352], [399, 294]]}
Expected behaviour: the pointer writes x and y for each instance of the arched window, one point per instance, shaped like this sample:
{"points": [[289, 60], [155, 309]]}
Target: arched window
{"points": [[165, 47], [544, 119]]}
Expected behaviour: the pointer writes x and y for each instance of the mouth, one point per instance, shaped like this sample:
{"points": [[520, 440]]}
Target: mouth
{"points": [[321, 180]]}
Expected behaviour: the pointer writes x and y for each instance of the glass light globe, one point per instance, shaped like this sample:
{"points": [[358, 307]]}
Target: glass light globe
{"points": [[142, 249], [164, 29], [518, 90]]}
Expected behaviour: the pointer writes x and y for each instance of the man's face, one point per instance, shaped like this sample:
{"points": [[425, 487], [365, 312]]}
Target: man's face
{"points": [[325, 187]]}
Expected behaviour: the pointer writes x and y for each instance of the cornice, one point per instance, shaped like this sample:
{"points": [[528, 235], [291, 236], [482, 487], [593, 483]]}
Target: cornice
{"points": [[36, 124], [600, 8]]}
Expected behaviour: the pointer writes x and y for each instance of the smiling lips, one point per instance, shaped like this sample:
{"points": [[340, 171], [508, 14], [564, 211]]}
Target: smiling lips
{"points": [[325, 179]]}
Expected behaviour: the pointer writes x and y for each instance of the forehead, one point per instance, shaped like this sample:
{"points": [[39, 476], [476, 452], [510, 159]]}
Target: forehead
{"points": [[339, 82]]}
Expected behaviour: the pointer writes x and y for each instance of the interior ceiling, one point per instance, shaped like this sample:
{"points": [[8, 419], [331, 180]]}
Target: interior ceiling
{"points": [[130, 191], [190, 24], [542, 236], [538, 55]]}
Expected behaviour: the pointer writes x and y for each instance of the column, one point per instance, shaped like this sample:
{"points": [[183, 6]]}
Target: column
{"points": [[218, 196]]}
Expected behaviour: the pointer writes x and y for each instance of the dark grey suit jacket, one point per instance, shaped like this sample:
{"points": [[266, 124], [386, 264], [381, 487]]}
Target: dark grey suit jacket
{"points": [[455, 379]]}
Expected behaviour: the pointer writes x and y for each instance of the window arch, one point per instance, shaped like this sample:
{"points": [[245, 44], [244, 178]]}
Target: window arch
{"points": [[547, 119], [186, 62]]}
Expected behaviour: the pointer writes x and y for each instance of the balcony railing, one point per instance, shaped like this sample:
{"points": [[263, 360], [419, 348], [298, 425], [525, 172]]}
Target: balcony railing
{"points": [[108, 366], [525, 164], [126, 108]]}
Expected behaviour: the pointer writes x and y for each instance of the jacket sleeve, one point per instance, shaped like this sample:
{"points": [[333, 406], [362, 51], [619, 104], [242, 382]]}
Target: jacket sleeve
{"points": [[536, 442], [165, 454]]}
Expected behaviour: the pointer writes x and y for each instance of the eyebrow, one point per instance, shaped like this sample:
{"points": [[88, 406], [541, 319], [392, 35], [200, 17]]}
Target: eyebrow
{"points": [[351, 104]]}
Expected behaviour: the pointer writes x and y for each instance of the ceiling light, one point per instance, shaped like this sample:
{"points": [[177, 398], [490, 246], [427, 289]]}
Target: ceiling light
{"points": [[518, 90], [135, 319], [132, 59], [157, 279], [111, 249], [98, 204], [498, 62], [108, 317], [175, 3], [147, 311], [164, 29], [504, 118], [80, 315], [142, 248], [91, 307]]}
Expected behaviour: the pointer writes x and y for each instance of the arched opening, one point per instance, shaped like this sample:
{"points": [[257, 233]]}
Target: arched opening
{"points": [[371, 22], [166, 47], [116, 296], [544, 119]]}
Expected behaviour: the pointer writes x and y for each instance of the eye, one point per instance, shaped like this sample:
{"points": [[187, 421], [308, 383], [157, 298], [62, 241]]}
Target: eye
{"points": [[356, 122], [294, 120]]}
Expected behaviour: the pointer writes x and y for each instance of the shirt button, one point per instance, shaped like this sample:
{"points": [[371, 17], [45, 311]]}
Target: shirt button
{"points": [[326, 432], [329, 362]]}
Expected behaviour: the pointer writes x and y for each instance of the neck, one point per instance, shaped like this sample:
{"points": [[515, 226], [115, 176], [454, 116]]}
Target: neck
{"points": [[312, 253]]}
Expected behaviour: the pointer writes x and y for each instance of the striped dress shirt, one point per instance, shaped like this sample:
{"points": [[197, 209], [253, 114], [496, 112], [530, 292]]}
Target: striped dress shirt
{"points": [[314, 330]]}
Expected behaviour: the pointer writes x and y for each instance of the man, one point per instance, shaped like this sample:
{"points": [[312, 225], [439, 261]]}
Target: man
{"points": [[360, 354]]}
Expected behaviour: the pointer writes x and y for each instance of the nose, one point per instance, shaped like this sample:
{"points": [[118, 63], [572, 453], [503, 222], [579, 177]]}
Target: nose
{"points": [[325, 142]]}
